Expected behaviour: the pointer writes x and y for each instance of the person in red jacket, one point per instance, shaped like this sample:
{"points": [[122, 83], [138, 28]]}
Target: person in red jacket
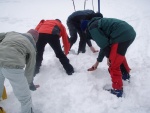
{"points": [[50, 32]]}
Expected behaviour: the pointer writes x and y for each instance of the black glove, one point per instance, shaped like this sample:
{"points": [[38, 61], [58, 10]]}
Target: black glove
{"points": [[32, 87]]}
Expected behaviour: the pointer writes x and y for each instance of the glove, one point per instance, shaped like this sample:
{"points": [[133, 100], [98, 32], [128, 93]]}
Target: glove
{"points": [[33, 87]]}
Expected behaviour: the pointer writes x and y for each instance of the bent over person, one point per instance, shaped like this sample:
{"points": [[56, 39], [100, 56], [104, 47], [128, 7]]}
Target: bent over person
{"points": [[17, 51], [50, 32], [113, 36], [73, 23]]}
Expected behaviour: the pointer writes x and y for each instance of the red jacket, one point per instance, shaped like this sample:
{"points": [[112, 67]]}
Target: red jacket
{"points": [[57, 28]]}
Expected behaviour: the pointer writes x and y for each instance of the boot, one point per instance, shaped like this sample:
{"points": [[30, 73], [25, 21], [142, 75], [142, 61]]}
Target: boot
{"points": [[70, 70], [118, 93], [126, 76]]}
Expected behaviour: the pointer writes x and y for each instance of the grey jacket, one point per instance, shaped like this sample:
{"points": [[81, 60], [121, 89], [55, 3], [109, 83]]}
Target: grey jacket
{"points": [[18, 52]]}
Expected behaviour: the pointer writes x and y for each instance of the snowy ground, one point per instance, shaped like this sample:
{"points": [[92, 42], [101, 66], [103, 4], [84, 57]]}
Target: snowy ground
{"points": [[83, 91]]}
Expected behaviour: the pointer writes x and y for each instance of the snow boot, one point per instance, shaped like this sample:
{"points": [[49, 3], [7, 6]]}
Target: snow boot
{"points": [[118, 93], [126, 76], [70, 72], [69, 69], [81, 51]]}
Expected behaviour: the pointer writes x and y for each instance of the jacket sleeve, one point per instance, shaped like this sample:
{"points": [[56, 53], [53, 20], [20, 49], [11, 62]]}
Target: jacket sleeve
{"points": [[101, 55], [103, 52], [2, 36], [65, 40], [30, 66], [89, 42]]}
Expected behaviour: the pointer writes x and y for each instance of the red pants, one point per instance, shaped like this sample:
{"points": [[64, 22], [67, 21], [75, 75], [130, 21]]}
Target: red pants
{"points": [[116, 60]]}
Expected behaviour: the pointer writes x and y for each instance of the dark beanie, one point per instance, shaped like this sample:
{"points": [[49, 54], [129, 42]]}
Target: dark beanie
{"points": [[84, 24], [97, 15], [34, 33]]}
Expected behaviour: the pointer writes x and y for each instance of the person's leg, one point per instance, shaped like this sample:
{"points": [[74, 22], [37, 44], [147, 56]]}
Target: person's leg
{"points": [[82, 42], [122, 48], [125, 66], [115, 72], [2, 78], [114, 68], [73, 34], [117, 57], [40, 45], [125, 70], [20, 87], [54, 42]]}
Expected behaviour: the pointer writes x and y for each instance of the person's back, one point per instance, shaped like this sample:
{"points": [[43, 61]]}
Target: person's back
{"points": [[50, 27], [116, 30], [77, 16], [15, 46]]}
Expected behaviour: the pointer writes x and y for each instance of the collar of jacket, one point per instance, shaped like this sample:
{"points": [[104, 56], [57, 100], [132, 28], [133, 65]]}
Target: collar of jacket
{"points": [[93, 23]]}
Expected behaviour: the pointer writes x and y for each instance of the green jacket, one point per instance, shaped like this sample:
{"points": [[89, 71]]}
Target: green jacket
{"points": [[17, 52], [107, 31]]}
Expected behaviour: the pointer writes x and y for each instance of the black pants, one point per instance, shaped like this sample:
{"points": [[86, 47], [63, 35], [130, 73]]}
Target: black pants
{"points": [[73, 36], [122, 48], [54, 42]]}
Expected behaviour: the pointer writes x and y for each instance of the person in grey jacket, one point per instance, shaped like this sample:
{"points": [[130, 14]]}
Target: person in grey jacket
{"points": [[17, 64]]}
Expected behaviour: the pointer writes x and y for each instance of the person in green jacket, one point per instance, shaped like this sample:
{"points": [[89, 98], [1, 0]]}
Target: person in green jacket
{"points": [[113, 36], [17, 64]]}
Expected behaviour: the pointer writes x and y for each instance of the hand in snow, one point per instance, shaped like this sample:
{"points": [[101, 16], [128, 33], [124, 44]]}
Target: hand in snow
{"points": [[33, 87], [94, 67]]}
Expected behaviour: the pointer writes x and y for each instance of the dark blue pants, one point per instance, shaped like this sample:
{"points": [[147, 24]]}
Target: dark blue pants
{"points": [[73, 36]]}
